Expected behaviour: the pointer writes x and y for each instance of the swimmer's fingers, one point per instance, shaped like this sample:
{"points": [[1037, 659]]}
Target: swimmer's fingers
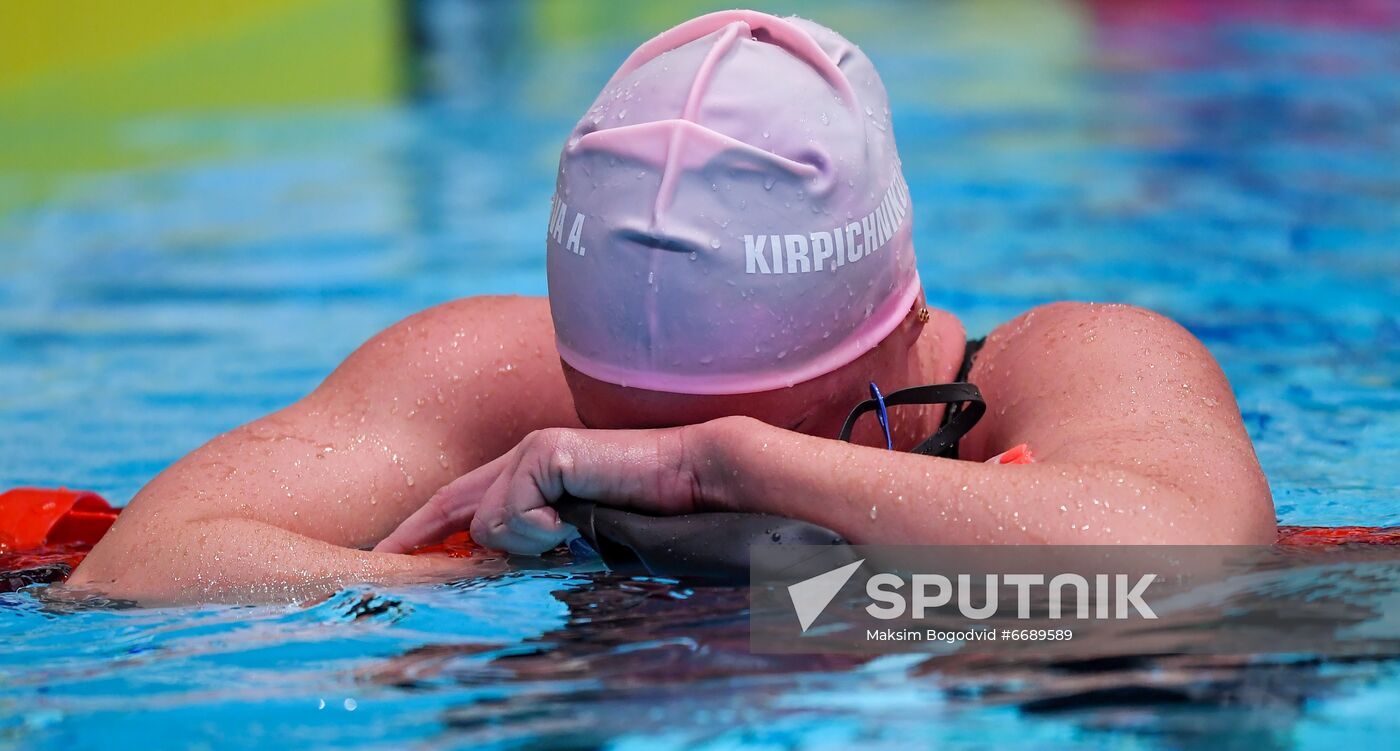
{"points": [[449, 510], [514, 514], [533, 532]]}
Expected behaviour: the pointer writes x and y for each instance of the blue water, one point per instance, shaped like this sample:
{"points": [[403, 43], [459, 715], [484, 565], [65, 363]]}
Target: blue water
{"points": [[1236, 169]]}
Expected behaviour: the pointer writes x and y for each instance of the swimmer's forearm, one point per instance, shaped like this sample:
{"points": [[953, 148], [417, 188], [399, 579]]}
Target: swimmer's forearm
{"points": [[875, 496], [241, 560]]}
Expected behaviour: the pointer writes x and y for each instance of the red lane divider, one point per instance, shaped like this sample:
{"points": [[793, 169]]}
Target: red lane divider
{"points": [[36, 517], [45, 533], [1339, 535], [457, 545]]}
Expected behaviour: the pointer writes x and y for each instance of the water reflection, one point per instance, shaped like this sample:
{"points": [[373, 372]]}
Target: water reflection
{"points": [[646, 656]]}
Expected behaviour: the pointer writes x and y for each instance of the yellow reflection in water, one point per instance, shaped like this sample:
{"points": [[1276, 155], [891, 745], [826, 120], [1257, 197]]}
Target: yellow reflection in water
{"points": [[73, 72]]}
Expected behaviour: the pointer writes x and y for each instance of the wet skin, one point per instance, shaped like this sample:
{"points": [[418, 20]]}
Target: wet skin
{"points": [[462, 417]]}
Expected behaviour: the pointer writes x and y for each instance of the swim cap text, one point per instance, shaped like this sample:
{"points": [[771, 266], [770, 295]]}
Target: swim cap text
{"points": [[830, 250], [558, 212]]}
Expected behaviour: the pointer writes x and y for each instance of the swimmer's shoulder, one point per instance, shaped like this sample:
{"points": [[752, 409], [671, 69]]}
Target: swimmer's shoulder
{"points": [[495, 327], [1075, 364], [517, 312], [1065, 335], [485, 342], [482, 366]]}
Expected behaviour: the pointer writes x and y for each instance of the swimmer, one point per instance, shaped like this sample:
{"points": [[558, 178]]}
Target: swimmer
{"points": [[731, 267]]}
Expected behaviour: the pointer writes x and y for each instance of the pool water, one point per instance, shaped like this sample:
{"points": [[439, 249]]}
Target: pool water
{"points": [[1234, 166]]}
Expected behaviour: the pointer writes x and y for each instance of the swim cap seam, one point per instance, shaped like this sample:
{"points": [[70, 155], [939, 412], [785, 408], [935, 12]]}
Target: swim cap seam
{"points": [[699, 84], [792, 38], [604, 140], [666, 190]]}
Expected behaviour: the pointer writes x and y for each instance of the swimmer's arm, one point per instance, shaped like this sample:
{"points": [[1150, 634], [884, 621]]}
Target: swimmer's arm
{"points": [[872, 496], [1135, 430], [867, 495], [293, 497], [241, 560]]}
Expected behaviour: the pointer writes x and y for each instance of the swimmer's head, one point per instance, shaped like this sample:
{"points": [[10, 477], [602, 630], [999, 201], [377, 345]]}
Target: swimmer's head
{"points": [[730, 219]]}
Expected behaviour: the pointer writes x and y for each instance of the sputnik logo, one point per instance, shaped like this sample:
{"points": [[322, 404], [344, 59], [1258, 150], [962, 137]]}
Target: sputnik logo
{"points": [[811, 596]]}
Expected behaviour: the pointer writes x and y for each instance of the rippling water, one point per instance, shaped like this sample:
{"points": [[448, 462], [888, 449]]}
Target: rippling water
{"points": [[1235, 167]]}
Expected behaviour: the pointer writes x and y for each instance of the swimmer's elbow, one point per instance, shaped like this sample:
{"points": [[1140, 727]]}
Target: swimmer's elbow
{"points": [[1239, 516], [1228, 499], [1233, 508]]}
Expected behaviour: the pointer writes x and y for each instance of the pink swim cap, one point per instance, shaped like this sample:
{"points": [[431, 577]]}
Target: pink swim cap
{"points": [[730, 215]]}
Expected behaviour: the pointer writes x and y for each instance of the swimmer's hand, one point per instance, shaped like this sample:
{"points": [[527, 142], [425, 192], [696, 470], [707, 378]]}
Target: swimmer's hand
{"points": [[506, 503]]}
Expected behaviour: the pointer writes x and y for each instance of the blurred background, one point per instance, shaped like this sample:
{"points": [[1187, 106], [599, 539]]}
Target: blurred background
{"points": [[205, 206]]}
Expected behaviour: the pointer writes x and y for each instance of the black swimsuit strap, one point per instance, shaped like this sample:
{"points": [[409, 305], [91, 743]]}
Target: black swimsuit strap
{"points": [[969, 356], [965, 408]]}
